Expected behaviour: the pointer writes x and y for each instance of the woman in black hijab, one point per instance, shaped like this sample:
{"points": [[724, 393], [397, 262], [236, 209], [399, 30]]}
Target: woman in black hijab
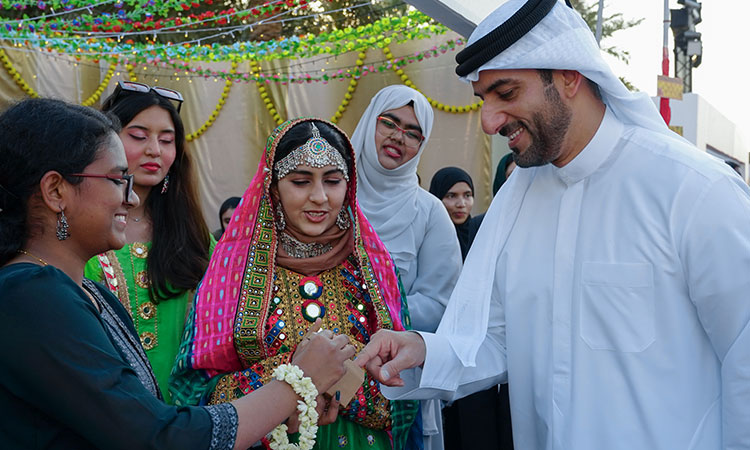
{"points": [[454, 187]]}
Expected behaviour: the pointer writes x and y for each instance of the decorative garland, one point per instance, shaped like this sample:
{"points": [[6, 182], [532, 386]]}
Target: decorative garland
{"points": [[255, 67], [349, 91], [355, 72], [68, 5], [217, 109], [395, 64], [308, 417], [378, 34], [17, 76], [131, 72], [435, 104], [141, 18], [103, 85]]}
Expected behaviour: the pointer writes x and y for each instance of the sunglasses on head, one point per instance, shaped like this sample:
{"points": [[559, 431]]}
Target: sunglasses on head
{"points": [[132, 86]]}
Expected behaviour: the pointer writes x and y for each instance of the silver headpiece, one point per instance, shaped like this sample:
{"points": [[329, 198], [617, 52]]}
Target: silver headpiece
{"points": [[316, 152]]}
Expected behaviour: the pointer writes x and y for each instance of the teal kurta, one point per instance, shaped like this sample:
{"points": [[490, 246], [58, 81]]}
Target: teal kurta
{"points": [[65, 383]]}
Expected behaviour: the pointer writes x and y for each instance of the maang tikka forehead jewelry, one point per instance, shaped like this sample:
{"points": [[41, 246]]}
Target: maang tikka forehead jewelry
{"points": [[316, 152]]}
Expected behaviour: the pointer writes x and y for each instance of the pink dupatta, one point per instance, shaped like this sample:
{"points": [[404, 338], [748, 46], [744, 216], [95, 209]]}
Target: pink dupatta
{"points": [[237, 286]]}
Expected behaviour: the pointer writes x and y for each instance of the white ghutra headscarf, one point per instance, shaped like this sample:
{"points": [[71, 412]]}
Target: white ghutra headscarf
{"points": [[561, 40], [388, 197]]}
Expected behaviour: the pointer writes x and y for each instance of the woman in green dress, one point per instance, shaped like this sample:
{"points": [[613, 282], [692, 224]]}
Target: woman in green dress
{"points": [[168, 243], [297, 249]]}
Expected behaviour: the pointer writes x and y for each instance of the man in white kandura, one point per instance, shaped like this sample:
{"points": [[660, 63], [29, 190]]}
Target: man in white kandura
{"points": [[610, 280]]}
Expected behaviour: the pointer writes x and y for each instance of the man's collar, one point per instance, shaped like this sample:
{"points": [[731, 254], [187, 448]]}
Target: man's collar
{"points": [[595, 152]]}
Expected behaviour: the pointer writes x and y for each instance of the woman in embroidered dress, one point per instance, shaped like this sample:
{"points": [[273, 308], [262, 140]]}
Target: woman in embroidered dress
{"points": [[168, 243], [297, 249], [74, 375]]}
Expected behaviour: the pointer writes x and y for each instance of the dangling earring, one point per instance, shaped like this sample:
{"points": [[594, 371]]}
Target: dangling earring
{"points": [[342, 219], [62, 226], [280, 221], [165, 185]]}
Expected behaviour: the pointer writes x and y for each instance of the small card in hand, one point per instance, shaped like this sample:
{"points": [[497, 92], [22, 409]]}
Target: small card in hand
{"points": [[349, 383]]}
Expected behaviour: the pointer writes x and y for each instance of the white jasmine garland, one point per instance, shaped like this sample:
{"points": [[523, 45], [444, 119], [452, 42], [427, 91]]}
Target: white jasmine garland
{"points": [[308, 415]]}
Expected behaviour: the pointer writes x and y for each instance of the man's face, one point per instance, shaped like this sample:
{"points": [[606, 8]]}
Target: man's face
{"points": [[526, 109]]}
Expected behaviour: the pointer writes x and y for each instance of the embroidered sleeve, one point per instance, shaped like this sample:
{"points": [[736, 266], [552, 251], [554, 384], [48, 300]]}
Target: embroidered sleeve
{"points": [[233, 385], [224, 431]]}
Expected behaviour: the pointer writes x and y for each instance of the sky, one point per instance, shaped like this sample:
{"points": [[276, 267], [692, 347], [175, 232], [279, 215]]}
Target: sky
{"points": [[722, 77]]}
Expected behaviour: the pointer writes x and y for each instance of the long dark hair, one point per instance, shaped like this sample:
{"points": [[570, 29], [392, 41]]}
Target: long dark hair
{"points": [[180, 243], [38, 136]]}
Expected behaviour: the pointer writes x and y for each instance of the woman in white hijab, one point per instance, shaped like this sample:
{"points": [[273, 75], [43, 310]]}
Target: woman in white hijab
{"points": [[413, 224]]}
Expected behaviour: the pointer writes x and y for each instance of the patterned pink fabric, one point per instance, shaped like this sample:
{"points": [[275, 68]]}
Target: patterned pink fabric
{"points": [[219, 293], [382, 265]]}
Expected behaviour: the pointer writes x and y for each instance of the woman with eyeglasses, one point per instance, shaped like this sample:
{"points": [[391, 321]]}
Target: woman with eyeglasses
{"points": [[168, 243], [74, 375], [413, 224]]}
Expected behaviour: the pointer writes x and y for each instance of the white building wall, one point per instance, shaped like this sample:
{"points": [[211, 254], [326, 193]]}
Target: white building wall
{"points": [[709, 129]]}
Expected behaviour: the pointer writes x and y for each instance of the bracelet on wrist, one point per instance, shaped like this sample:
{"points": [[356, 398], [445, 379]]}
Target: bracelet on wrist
{"points": [[308, 415]]}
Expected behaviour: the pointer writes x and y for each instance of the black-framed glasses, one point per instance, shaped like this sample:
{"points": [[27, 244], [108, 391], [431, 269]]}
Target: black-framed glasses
{"points": [[143, 88], [412, 138], [126, 177]]}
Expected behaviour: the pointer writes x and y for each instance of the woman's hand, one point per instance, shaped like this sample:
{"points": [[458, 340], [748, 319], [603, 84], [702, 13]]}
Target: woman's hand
{"points": [[328, 411], [321, 356]]}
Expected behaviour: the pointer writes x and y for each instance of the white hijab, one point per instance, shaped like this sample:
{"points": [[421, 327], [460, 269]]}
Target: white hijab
{"points": [[561, 40], [388, 197]]}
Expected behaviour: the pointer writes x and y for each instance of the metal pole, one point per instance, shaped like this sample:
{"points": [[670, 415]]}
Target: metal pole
{"points": [[599, 19], [666, 35], [664, 109]]}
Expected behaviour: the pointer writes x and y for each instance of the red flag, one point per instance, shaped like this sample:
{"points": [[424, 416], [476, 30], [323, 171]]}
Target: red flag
{"points": [[666, 112]]}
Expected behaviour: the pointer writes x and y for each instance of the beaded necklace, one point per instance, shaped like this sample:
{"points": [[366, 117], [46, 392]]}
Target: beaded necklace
{"points": [[298, 249], [27, 253]]}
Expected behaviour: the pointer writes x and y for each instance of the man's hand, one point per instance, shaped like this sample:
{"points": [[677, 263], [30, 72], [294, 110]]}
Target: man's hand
{"points": [[390, 352]]}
